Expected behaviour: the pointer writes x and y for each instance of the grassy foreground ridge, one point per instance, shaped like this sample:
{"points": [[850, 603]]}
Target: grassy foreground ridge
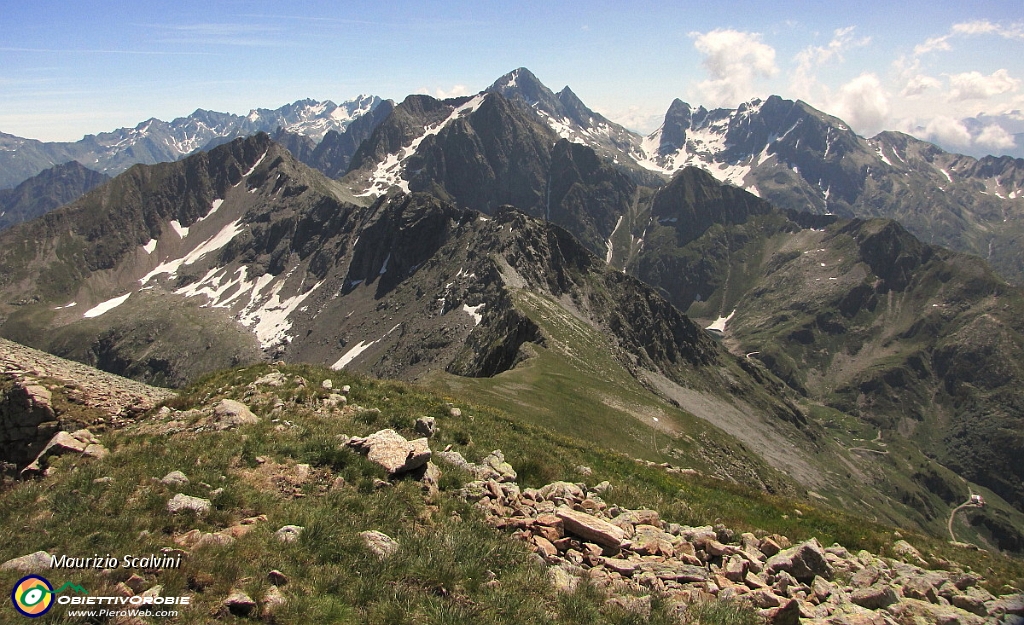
{"points": [[292, 468]]}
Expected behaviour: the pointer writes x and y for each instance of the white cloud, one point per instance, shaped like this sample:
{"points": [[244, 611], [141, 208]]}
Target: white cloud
{"points": [[454, 92], [441, 94], [734, 60], [918, 84], [644, 120], [969, 29], [993, 136], [985, 27], [804, 82], [975, 85], [933, 44], [948, 131], [863, 103]]}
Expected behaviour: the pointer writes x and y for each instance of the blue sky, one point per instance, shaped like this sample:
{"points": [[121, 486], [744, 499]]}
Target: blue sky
{"points": [[71, 68]]}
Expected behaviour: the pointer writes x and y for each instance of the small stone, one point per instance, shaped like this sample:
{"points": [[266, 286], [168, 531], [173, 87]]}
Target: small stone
{"points": [[620, 566], [174, 479], [239, 603], [803, 562], [136, 583], [346, 389], [289, 533], [231, 413], [277, 578], [392, 451], [874, 597], [155, 591], [426, 426], [455, 412], [103, 480], [544, 546], [379, 543], [327, 384], [273, 599], [274, 378], [32, 563], [181, 503], [584, 470]]}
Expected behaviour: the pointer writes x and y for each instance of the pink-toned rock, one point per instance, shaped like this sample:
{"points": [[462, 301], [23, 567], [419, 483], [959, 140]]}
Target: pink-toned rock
{"points": [[544, 546], [589, 527]]}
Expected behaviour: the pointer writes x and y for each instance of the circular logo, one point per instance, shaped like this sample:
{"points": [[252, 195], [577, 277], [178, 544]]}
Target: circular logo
{"points": [[32, 596]]}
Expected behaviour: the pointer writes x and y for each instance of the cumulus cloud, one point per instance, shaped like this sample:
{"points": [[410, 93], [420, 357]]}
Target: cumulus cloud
{"points": [[734, 61], [644, 120], [948, 131], [975, 85], [863, 103], [993, 136]]}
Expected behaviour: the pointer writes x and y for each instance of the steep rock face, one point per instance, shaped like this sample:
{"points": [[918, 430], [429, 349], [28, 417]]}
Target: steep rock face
{"points": [[333, 155], [46, 191], [586, 196], [488, 151]]}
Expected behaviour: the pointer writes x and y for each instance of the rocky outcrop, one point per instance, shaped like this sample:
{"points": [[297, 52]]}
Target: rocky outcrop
{"points": [[82, 442], [40, 395], [632, 552]]}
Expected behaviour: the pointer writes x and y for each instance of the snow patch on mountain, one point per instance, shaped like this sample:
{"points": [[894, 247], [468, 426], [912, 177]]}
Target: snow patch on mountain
{"points": [[472, 312], [358, 349], [181, 230], [253, 168], [106, 306], [213, 209], [214, 243]]}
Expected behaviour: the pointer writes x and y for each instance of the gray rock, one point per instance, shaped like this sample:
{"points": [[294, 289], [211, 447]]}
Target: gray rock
{"points": [[32, 563], [81, 442], [289, 533], [426, 426], [973, 601], [392, 451], [277, 578], [495, 461], [174, 479], [274, 378], [231, 413], [382, 545], [327, 384], [182, 503]]}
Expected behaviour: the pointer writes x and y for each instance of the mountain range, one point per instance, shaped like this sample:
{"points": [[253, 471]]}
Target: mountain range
{"points": [[156, 141], [519, 248]]}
